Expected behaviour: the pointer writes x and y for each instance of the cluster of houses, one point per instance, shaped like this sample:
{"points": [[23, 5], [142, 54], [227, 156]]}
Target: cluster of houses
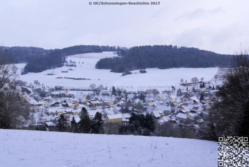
{"points": [[186, 105]]}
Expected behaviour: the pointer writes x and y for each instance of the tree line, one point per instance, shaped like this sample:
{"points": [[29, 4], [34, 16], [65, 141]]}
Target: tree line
{"points": [[138, 124], [56, 58], [39, 59], [21, 54], [163, 57], [85, 125]]}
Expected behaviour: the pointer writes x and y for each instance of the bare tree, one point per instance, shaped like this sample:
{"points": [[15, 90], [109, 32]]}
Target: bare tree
{"points": [[14, 109], [7, 72], [194, 80]]}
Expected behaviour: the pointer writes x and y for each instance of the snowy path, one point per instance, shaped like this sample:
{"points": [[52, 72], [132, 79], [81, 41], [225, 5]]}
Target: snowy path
{"points": [[52, 149]]}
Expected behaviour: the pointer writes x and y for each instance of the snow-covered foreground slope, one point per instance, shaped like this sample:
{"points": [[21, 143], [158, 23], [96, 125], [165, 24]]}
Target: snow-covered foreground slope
{"points": [[85, 68], [52, 149]]}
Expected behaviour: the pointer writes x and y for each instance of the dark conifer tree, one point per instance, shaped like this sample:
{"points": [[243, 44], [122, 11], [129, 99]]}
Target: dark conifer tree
{"points": [[149, 122], [230, 114], [140, 124], [201, 97], [113, 91], [85, 122], [62, 123], [97, 123], [74, 126], [134, 122]]}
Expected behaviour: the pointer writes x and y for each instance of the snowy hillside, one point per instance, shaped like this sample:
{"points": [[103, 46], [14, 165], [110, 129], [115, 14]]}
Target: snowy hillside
{"points": [[52, 149], [81, 72]]}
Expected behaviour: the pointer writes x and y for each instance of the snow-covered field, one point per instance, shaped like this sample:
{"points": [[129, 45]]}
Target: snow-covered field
{"points": [[53, 149], [154, 78]]}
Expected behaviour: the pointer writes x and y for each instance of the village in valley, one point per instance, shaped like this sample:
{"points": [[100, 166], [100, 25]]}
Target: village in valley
{"points": [[185, 105], [116, 83]]}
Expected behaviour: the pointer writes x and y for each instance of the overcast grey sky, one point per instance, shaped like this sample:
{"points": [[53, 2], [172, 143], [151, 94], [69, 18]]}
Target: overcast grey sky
{"points": [[217, 25]]}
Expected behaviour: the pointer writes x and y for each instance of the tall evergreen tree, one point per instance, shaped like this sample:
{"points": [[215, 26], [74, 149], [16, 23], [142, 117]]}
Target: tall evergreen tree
{"points": [[85, 122], [149, 122], [113, 90], [134, 122], [97, 123], [62, 123], [74, 126]]}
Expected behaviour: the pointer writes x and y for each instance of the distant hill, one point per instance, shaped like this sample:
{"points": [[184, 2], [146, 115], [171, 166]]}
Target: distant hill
{"points": [[163, 57], [39, 59], [21, 54], [56, 58]]}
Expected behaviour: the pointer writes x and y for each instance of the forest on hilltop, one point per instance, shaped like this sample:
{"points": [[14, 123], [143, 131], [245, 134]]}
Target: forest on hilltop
{"points": [[39, 59], [140, 57], [163, 57]]}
